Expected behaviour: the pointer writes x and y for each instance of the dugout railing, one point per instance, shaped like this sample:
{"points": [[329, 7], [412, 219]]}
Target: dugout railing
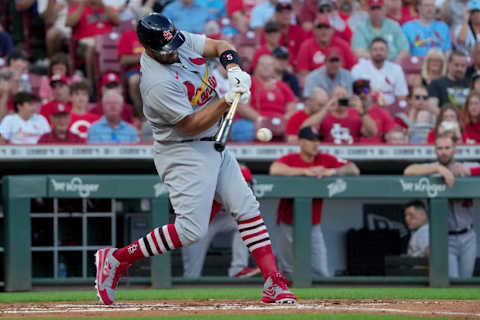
{"points": [[18, 190]]}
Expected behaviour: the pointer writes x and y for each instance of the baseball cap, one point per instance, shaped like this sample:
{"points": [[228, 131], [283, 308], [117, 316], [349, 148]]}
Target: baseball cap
{"points": [[309, 133], [272, 26], [58, 78], [323, 21], [110, 77], [474, 5], [281, 52], [375, 3], [59, 108], [283, 5], [324, 3], [333, 53]]}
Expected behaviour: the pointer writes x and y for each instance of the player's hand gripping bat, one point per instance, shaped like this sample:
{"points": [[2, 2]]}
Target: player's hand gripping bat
{"points": [[224, 132]]}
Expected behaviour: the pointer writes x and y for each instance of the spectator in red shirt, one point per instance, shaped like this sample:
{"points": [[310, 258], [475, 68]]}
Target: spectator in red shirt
{"points": [[399, 13], [272, 36], [309, 162], [111, 81], [317, 100], [271, 105], [81, 119], [382, 118], [313, 51], [471, 112], [129, 51], [342, 120], [90, 18], [61, 96], [60, 119]]}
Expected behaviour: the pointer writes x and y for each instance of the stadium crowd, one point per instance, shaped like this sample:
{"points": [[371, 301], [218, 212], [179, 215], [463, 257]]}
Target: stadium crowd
{"points": [[361, 71]]}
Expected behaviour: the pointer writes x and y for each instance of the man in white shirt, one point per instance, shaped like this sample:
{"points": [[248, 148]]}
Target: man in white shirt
{"points": [[416, 219], [25, 126], [386, 78]]}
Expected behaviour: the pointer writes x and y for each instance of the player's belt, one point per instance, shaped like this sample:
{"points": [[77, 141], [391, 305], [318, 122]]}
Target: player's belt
{"points": [[190, 140], [461, 231]]}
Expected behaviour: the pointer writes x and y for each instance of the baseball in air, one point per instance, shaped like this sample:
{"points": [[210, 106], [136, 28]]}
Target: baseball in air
{"points": [[264, 134]]}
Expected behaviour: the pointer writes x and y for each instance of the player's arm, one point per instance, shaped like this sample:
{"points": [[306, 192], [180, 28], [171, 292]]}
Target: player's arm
{"points": [[200, 121], [281, 169], [417, 169], [214, 48], [350, 169]]}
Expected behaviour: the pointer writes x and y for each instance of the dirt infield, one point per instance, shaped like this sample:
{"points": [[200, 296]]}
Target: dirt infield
{"points": [[464, 309]]}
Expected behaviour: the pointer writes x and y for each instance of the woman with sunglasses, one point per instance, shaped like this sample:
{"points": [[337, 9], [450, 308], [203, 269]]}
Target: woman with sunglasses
{"points": [[471, 113], [448, 121]]}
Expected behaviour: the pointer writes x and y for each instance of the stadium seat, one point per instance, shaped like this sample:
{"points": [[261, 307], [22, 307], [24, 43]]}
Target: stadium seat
{"points": [[412, 64], [106, 57]]}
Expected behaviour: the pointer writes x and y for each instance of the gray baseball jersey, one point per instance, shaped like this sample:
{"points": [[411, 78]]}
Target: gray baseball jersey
{"points": [[172, 92], [194, 172], [418, 242]]}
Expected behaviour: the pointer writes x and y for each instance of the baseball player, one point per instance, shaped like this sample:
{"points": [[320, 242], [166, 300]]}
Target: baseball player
{"points": [[309, 162], [181, 103], [462, 245]]}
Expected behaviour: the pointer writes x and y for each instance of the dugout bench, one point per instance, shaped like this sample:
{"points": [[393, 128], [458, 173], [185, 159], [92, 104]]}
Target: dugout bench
{"points": [[18, 190]]}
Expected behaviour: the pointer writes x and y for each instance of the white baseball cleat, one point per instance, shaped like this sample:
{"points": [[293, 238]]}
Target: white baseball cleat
{"points": [[275, 290], [109, 271]]}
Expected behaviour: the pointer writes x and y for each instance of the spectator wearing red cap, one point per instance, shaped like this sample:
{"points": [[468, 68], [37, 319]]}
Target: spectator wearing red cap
{"points": [[61, 96], [111, 80], [81, 119], [385, 77], [342, 120], [379, 26], [330, 76], [313, 51], [90, 18], [60, 119], [317, 99], [129, 51]]}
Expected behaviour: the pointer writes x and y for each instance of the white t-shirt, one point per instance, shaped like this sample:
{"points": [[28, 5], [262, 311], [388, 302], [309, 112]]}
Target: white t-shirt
{"points": [[389, 80], [18, 131]]}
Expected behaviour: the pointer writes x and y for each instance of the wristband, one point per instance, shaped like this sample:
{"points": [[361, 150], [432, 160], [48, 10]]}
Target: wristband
{"points": [[230, 56]]}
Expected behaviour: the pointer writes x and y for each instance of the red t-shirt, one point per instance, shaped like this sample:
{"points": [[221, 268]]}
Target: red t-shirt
{"points": [[79, 124], [384, 122], [262, 50], [472, 131], [431, 137], [341, 130], [270, 102], [295, 122], [52, 138], [285, 207], [129, 44], [311, 56], [127, 111], [47, 108], [91, 24]]}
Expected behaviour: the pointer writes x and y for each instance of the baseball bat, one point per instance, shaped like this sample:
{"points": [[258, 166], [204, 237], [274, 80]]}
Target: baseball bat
{"points": [[223, 133]]}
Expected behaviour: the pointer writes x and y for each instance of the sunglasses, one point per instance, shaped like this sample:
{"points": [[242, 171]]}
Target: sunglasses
{"points": [[420, 97], [334, 60], [375, 8], [325, 10], [359, 91]]}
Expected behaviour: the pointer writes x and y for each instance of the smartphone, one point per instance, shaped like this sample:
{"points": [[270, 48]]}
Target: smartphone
{"points": [[343, 102]]}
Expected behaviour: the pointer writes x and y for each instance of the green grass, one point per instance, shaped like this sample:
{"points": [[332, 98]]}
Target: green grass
{"points": [[246, 293], [273, 317]]}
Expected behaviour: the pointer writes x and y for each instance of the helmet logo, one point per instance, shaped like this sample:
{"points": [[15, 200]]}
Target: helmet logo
{"points": [[167, 35]]}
